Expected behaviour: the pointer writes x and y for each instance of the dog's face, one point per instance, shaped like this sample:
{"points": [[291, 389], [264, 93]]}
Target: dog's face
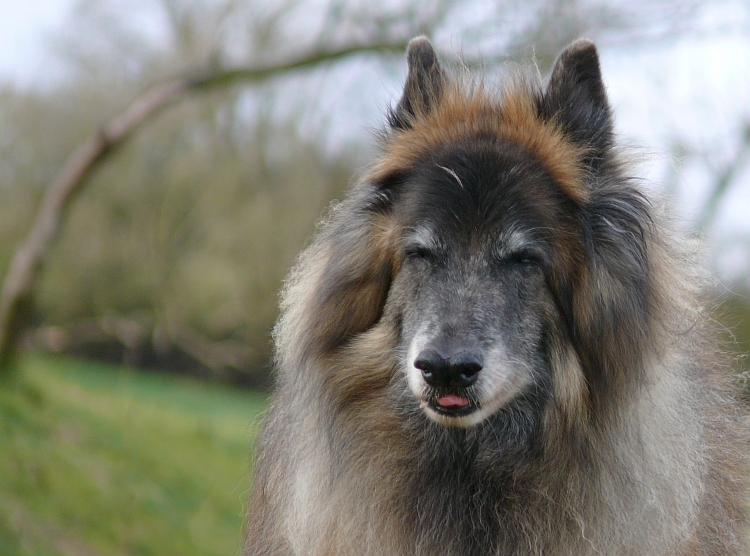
{"points": [[490, 245], [481, 221]]}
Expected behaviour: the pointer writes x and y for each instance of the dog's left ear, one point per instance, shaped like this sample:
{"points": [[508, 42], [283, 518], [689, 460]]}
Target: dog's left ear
{"points": [[576, 99], [424, 84], [610, 296]]}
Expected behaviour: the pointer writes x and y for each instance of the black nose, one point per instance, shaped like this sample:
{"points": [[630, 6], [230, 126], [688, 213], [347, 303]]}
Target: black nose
{"points": [[458, 370]]}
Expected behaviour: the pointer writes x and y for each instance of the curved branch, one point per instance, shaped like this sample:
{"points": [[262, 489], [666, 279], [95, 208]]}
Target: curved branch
{"points": [[16, 297]]}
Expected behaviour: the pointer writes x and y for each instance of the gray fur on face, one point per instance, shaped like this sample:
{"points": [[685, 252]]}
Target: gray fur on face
{"points": [[474, 301]]}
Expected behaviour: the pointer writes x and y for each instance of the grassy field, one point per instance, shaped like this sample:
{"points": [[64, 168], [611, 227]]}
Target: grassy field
{"points": [[97, 460]]}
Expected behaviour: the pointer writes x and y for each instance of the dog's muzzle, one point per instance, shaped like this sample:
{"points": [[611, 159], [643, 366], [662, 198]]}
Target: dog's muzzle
{"points": [[449, 377]]}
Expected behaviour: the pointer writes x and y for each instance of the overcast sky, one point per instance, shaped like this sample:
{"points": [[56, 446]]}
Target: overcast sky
{"points": [[25, 30]]}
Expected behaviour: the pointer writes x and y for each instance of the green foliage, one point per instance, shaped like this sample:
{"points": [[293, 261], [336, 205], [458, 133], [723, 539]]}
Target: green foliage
{"points": [[97, 460]]}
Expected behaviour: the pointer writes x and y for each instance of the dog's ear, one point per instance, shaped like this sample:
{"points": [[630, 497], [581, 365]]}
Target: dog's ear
{"points": [[424, 84], [342, 281], [576, 100], [606, 295]]}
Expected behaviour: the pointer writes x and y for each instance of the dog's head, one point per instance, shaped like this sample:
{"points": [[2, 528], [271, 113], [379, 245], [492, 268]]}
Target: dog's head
{"points": [[493, 234]]}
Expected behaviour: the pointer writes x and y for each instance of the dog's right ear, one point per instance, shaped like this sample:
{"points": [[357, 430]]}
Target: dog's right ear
{"points": [[339, 287], [424, 84]]}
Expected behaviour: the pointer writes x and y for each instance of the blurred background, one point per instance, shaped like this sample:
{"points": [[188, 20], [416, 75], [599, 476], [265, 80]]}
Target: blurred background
{"points": [[167, 252]]}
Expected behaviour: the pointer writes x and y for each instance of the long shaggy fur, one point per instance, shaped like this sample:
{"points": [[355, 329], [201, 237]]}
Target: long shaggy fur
{"points": [[603, 421]]}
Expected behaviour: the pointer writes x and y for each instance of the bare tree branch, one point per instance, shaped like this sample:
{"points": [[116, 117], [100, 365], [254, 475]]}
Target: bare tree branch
{"points": [[16, 296]]}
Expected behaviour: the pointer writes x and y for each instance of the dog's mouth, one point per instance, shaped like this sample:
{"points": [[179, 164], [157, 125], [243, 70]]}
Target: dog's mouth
{"points": [[451, 404]]}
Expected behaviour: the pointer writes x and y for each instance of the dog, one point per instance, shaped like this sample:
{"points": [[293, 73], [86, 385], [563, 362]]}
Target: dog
{"points": [[497, 345]]}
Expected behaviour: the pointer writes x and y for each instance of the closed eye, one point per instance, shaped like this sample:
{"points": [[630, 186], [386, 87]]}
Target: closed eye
{"points": [[421, 244], [522, 258], [419, 252], [525, 258]]}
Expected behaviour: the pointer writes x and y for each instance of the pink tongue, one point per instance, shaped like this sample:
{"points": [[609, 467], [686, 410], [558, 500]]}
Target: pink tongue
{"points": [[452, 400]]}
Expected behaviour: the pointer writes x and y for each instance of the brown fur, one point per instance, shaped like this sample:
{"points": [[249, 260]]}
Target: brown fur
{"points": [[642, 445], [460, 115]]}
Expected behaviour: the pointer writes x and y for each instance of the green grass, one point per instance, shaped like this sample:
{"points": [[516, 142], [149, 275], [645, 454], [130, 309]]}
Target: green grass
{"points": [[98, 460]]}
